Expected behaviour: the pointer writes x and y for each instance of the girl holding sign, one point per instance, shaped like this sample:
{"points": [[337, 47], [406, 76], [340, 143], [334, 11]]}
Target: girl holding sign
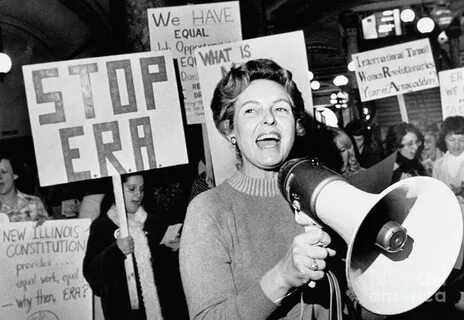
{"points": [[106, 252], [242, 254]]}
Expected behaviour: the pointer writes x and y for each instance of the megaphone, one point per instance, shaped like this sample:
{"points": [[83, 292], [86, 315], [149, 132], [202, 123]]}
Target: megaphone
{"points": [[402, 243]]}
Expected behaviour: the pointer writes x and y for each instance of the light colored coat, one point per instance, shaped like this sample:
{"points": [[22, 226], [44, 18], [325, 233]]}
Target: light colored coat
{"points": [[440, 171]]}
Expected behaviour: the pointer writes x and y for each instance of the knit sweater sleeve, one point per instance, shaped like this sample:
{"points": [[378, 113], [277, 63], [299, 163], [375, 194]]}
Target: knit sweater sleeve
{"points": [[206, 267]]}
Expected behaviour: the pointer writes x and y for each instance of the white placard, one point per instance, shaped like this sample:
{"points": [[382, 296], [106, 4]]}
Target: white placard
{"points": [[184, 28], [287, 49], [452, 92], [41, 267], [394, 70], [97, 117]]}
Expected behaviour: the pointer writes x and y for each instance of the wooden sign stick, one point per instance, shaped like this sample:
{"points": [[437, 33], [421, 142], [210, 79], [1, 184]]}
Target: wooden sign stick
{"points": [[207, 150], [403, 110], [124, 232]]}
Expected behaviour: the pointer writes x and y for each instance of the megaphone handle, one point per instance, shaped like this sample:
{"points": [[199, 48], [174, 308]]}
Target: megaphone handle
{"points": [[312, 284]]}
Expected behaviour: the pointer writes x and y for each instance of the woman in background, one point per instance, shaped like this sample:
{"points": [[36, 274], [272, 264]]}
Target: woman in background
{"points": [[405, 139], [106, 251], [350, 164], [450, 168], [431, 152]]}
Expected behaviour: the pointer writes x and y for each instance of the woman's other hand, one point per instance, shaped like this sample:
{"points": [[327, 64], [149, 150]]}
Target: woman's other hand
{"points": [[126, 245], [40, 219], [174, 244]]}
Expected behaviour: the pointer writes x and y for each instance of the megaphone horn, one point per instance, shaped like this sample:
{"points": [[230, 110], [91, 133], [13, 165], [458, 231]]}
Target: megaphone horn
{"points": [[402, 243]]}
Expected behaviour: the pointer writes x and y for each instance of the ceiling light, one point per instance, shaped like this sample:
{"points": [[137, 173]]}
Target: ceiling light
{"points": [[5, 63], [407, 15], [340, 80], [310, 75], [425, 25], [351, 66], [315, 85]]}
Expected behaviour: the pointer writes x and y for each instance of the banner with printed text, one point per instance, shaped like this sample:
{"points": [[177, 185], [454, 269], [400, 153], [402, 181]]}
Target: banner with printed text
{"points": [[452, 92], [97, 117], [287, 49], [41, 267], [184, 28], [394, 70]]}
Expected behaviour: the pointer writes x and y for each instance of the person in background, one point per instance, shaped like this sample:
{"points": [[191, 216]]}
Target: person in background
{"points": [[405, 139], [16, 206], [242, 255], [450, 168], [370, 152], [350, 164], [103, 265], [202, 182], [431, 152]]}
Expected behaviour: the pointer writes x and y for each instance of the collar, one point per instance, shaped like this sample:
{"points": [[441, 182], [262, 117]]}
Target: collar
{"points": [[253, 186]]}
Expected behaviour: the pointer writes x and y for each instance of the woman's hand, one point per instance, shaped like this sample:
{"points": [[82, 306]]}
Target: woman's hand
{"points": [[303, 262], [126, 245], [39, 220], [458, 190], [174, 244]]}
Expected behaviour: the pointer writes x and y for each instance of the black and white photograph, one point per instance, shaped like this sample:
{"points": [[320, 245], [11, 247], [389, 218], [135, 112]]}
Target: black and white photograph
{"points": [[239, 160]]}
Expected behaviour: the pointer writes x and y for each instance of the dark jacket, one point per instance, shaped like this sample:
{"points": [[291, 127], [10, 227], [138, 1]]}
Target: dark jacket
{"points": [[105, 272]]}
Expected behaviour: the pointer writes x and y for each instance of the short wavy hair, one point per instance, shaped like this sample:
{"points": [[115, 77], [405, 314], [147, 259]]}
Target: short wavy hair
{"points": [[239, 78], [396, 133], [451, 125]]}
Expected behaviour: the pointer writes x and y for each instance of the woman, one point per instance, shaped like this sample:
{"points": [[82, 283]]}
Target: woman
{"points": [[405, 139], [450, 168], [242, 254], [350, 164], [16, 206], [106, 251], [431, 152], [369, 152]]}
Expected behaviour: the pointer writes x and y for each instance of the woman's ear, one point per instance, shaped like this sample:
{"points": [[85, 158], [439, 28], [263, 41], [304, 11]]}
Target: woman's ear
{"points": [[15, 176], [231, 138]]}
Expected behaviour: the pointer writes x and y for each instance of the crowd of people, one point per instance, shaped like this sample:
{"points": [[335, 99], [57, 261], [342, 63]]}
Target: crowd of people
{"points": [[241, 256]]}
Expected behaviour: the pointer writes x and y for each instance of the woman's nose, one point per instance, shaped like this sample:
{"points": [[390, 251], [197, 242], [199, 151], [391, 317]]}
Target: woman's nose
{"points": [[269, 118]]}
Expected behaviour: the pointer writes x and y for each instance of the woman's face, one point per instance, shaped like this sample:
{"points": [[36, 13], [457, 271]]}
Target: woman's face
{"points": [[455, 143], [344, 152], [133, 193], [7, 177], [429, 141], [410, 145], [264, 126]]}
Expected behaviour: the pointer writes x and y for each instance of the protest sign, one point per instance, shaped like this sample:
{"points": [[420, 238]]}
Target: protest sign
{"points": [[97, 117], [184, 28], [452, 92], [41, 267], [287, 49], [395, 70]]}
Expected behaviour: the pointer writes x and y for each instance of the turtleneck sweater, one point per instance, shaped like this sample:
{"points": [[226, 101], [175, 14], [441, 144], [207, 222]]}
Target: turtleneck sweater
{"points": [[233, 234]]}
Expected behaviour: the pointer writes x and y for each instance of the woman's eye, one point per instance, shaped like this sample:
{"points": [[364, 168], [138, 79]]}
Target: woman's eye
{"points": [[249, 111], [282, 108]]}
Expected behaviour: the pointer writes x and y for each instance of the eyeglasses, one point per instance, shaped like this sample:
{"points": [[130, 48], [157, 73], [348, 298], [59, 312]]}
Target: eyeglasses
{"points": [[410, 144], [454, 140]]}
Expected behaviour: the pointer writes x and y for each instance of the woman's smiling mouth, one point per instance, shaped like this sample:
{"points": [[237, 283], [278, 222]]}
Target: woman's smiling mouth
{"points": [[268, 140]]}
